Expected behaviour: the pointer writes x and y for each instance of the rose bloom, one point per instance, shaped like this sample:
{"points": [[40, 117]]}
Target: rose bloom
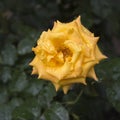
{"points": [[66, 55]]}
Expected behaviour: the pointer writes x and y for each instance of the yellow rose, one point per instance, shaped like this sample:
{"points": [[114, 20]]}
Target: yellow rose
{"points": [[66, 55]]}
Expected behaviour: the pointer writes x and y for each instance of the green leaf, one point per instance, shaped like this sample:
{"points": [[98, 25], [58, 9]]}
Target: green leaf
{"points": [[29, 110], [55, 112], [15, 102], [21, 113], [9, 54], [25, 45], [3, 95], [109, 73], [35, 86], [49, 92], [5, 74], [113, 94], [5, 112], [33, 106], [46, 95], [19, 82]]}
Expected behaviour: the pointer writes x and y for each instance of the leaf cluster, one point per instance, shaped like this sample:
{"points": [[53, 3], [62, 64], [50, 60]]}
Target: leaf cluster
{"points": [[24, 97]]}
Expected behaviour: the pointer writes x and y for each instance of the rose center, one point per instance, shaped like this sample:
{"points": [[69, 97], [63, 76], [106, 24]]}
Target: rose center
{"points": [[63, 55], [67, 54]]}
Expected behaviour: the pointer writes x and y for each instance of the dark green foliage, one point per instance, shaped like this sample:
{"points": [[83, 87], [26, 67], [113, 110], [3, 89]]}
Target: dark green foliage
{"points": [[24, 97]]}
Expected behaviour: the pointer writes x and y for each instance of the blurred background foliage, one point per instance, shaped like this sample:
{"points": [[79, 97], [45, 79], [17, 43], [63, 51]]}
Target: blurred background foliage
{"points": [[24, 97]]}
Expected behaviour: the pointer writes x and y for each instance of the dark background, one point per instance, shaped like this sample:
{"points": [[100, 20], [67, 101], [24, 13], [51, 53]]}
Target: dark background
{"points": [[24, 97]]}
